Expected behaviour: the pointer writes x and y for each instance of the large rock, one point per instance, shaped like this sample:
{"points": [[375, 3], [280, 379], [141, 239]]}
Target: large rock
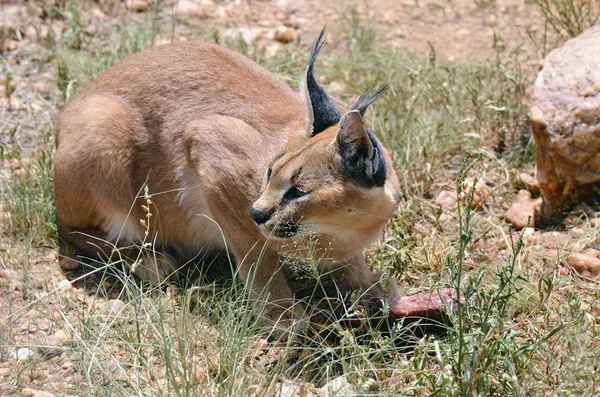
{"points": [[564, 112]]}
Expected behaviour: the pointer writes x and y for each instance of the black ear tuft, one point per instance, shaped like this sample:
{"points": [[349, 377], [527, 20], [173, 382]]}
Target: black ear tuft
{"points": [[367, 98], [322, 111]]}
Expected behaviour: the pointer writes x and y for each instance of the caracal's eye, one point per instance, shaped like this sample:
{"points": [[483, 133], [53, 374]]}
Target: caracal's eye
{"points": [[268, 175], [294, 192]]}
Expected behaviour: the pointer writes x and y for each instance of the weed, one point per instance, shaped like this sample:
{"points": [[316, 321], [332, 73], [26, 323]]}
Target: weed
{"points": [[570, 17]]}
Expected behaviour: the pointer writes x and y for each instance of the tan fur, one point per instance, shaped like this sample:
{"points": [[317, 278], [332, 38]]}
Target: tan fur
{"points": [[200, 125]]}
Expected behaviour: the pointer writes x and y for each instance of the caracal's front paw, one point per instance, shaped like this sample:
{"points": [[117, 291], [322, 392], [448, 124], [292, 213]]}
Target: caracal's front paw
{"points": [[155, 267], [285, 324]]}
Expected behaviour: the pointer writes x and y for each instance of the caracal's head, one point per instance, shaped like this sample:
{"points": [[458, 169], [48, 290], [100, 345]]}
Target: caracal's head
{"points": [[336, 184]]}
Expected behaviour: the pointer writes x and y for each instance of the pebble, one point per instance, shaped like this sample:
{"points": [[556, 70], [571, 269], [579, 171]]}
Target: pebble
{"points": [[285, 389], [284, 34], [11, 45], [136, 5], [31, 34], [23, 354], [587, 263], [528, 182], [4, 273], [27, 392], [116, 307], [91, 30], [339, 387], [188, 8], [522, 209], [5, 372], [42, 88], [68, 264], [446, 199]]}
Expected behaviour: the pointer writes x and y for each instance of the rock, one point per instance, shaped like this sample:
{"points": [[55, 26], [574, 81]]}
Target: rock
{"points": [[249, 36], [136, 5], [91, 30], [42, 88], [11, 45], [525, 180], [31, 33], [4, 273], [446, 199], [587, 263], [23, 354], [339, 387], [287, 389], [116, 307], [284, 34], [431, 305], [188, 8], [479, 193], [27, 392], [564, 113], [523, 209], [5, 372], [68, 264]]}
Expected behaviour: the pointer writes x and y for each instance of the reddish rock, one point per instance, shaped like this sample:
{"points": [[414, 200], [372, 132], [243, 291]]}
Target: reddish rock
{"points": [[564, 113], [431, 305], [188, 8], [587, 263], [284, 35], [523, 209], [91, 30], [136, 5], [68, 264], [446, 199], [525, 180]]}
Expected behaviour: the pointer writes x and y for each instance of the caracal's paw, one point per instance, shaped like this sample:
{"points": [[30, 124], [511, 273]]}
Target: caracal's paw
{"points": [[285, 324], [155, 267]]}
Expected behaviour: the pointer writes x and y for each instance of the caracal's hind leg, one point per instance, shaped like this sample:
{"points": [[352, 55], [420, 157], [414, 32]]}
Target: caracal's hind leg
{"points": [[96, 140]]}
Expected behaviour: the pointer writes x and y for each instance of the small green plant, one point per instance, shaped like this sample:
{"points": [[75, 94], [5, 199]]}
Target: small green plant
{"points": [[8, 83], [26, 186], [570, 17]]}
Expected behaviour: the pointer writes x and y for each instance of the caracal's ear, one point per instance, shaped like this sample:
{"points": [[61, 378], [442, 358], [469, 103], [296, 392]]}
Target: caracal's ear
{"points": [[361, 156], [321, 111]]}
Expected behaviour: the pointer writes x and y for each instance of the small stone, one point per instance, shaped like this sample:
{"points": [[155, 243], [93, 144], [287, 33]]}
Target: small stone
{"points": [[11, 45], [4, 273], [524, 210], [446, 199], [528, 182], [284, 34], [35, 374], [577, 232], [31, 34], [91, 30], [23, 354], [339, 387], [188, 8], [65, 284], [136, 5], [98, 13], [587, 263], [491, 20], [116, 307], [27, 392], [286, 389], [68, 264], [5, 372], [479, 192], [42, 88]]}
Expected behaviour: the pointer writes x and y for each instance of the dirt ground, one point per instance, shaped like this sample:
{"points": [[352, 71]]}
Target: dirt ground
{"points": [[459, 30]]}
